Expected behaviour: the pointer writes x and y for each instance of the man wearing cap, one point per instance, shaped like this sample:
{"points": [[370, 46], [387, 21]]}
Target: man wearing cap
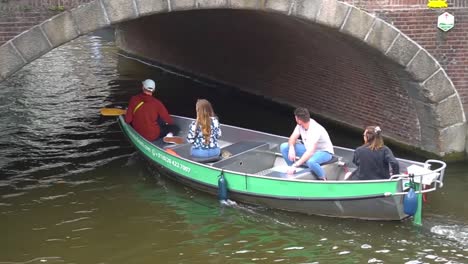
{"points": [[146, 113]]}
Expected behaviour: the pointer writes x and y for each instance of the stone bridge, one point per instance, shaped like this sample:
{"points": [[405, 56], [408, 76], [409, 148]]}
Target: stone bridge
{"points": [[338, 60]]}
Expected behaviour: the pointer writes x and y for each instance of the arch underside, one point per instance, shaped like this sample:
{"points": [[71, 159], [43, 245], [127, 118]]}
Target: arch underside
{"points": [[338, 61]]}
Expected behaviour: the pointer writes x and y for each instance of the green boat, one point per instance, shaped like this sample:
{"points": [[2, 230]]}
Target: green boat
{"points": [[253, 172]]}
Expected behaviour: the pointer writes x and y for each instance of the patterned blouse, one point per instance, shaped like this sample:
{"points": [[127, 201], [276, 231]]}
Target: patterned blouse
{"points": [[195, 135]]}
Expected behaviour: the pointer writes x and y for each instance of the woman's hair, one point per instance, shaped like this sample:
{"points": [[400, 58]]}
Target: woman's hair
{"points": [[204, 114], [373, 137]]}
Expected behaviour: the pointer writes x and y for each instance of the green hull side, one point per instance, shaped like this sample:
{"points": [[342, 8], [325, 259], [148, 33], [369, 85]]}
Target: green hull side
{"points": [[260, 186]]}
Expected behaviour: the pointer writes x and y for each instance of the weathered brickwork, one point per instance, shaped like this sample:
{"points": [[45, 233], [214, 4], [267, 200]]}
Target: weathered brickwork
{"points": [[331, 57], [17, 16], [417, 21], [331, 74]]}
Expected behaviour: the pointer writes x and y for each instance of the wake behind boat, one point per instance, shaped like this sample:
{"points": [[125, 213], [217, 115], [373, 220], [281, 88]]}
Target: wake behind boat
{"points": [[253, 171]]}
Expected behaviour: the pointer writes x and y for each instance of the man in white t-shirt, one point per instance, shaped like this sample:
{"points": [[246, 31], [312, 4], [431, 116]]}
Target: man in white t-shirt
{"points": [[316, 147]]}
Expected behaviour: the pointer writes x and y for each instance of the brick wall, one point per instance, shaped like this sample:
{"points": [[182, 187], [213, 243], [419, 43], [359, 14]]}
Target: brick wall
{"points": [[17, 16], [417, 21], [283, 59]]}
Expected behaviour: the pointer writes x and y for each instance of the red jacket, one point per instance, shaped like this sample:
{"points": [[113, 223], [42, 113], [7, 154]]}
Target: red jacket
{"points": [[144, 117]]}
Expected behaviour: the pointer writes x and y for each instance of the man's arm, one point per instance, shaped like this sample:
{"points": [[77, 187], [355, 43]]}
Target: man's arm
{"points": [[164, 114], [306, 156], [130, 109], [291, 142]]}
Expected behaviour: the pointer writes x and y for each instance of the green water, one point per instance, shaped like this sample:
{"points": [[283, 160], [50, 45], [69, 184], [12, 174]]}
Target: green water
{"points": [[72, 189]]}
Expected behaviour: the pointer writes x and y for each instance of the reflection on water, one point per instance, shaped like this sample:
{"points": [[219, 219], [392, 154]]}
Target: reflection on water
{"points": [[74, 191]]}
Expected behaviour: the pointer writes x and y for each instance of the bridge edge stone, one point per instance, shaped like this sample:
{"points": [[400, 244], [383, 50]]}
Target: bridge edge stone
{"points": [[453, 138], [381, 35], [403, 50], [11, 61], [32, 43], [60, 29], [437, 87], [308, 9], [422, 66], [358, 23], [90, 17], [332, 13], [246, 4], [148, 7], [281, 6], [119, 10], [178, 5], [211, 4]]}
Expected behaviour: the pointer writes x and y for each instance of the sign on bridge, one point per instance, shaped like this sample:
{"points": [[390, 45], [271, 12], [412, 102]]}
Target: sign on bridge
{"points": [[446, 21]]}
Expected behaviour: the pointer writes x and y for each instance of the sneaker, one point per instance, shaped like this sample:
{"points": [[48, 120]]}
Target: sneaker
{"points": [[173, 140]]}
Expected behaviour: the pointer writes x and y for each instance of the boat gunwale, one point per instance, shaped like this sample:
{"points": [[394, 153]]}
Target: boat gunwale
{"points": [[380, 191], [394, 178]]}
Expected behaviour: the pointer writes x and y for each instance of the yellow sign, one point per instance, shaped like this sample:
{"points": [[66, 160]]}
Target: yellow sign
{"points": [[437, 4]]}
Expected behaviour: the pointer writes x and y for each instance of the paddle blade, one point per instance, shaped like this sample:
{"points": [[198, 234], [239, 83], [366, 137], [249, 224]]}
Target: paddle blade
{"points": [[174, 140], [112, 111]]}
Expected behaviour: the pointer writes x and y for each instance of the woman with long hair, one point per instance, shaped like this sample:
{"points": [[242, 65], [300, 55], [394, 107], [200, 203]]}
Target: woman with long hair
{"points": [[204, 131], [373, 159]]}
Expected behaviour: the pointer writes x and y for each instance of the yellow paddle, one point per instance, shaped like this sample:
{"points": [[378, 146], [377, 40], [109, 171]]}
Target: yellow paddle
{"points": [[112, 111]]}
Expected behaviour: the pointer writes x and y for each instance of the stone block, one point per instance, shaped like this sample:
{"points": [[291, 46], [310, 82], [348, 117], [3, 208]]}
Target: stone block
{"points": [[32, 43], [11, 61], [440, 115], [381, 35], [437, 87], [453, 138], [282, 6], [307, 9], [120, 10], [332, 13], [422, 66], [435, 121], [358, 23], [403, 50], [211, 3], [466, 145], [245, 4], [147, 7], [60, 29], [182, 5], [90, 17], [449, 111]]}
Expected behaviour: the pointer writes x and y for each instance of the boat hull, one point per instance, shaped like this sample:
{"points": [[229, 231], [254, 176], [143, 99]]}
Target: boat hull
{"points": [[388, 207], [372, 200]]}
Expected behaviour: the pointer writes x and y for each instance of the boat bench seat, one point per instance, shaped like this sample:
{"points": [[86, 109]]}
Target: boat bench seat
{"points": [[183, 150], [229, 152], [246, 157], [333, 170]]}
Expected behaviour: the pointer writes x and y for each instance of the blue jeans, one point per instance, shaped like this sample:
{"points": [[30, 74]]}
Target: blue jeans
{"points": [[205, 153], [313, 163]]}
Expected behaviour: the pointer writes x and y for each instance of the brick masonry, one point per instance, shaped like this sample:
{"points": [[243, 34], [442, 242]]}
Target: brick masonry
{"points": [[17, 16], [299, 62], [418, 22]]}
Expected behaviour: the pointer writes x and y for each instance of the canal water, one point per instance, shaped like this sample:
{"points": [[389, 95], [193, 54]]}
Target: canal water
{"points": [[73, 190]]}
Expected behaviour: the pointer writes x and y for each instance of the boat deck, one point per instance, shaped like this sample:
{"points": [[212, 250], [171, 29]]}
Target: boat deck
{"points": [[254, 157]]}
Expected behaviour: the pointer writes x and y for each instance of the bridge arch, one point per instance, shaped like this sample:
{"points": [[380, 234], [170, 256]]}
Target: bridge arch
{"points": [[441, 121]]}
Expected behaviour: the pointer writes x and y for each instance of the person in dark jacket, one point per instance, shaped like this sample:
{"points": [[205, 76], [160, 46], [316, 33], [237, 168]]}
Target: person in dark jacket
{"points": [[147, 115], [373, 159]]}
